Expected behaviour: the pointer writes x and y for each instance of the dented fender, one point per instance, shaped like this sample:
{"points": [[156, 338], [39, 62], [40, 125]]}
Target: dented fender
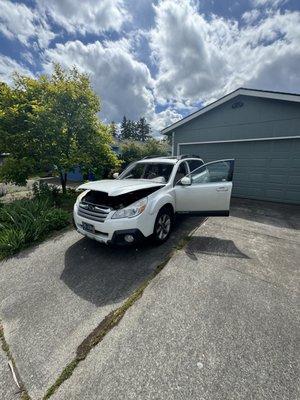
{"points": [[157, 203]]}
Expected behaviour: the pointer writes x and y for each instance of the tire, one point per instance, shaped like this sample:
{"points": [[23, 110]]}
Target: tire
{"points": [[163, 225]]}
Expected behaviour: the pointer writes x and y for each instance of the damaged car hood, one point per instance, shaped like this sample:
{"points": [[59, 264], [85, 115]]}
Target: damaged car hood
{"points": [[117, 187]]}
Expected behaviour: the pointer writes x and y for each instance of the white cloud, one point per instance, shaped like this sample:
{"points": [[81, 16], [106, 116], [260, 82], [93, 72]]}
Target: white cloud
{"points": [[279, 74], [94, 16], [251, 16], [17, 21], [165, 118], [123, 83], [269, 3], [8, 66], [188, 60], [202, 59]]}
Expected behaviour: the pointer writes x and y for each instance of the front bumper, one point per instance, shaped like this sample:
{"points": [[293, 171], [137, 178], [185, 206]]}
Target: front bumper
{"points": [[119, 236], [114, 230]]}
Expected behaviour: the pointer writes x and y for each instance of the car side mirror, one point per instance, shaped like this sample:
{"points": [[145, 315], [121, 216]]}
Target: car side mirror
{"points": [[186, 181], [116, 175]]}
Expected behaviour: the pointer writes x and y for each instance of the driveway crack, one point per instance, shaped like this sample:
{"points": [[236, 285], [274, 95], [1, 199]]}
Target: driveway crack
{"points": [[13, 367]]}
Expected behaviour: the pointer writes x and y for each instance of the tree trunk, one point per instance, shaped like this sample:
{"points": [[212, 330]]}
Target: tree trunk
{"points": [[63, 181]]}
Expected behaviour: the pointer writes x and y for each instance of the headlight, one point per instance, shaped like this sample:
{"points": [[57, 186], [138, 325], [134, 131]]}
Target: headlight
{"points": [[131, 211]]}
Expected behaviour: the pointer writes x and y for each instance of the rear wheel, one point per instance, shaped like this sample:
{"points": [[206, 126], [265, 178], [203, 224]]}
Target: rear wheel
{"points": [[163, 225]]}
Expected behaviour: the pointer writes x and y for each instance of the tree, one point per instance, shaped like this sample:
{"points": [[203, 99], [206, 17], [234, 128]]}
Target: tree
{"points": [[52, 120], [131, 151], [155, 147], [132, 130], [143, 130], [114, 130], [135, 130], [135, 150], [125, 129]]}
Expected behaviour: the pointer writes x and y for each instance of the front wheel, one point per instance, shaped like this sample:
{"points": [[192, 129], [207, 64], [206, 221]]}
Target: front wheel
{"points": [[163, 225]]}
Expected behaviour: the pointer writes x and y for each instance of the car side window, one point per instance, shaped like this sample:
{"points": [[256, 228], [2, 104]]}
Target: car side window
{"points": [[220, 171], [194, 164], [181, 172]]}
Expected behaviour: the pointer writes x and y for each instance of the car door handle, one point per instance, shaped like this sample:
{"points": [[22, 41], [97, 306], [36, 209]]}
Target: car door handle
{"points": [[222, 189]]}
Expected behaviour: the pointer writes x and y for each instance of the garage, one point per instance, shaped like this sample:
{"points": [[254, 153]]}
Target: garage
{"points": [[262, 135]]}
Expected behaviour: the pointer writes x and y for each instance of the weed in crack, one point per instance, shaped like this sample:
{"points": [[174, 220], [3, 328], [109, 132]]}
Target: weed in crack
{"points": [[66, 373], [6, 349]]}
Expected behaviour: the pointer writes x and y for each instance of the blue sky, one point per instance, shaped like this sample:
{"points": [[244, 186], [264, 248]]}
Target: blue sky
{"points": [[161, 59]]}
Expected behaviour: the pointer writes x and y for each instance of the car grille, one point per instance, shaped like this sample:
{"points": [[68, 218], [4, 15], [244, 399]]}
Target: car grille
{"points": [[92, 211]]}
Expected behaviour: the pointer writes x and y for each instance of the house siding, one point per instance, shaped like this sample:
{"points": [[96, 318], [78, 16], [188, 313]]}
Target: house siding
{"points": [[256, 119]]}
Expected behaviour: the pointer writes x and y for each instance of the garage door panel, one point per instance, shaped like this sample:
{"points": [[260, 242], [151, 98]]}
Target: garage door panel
{"points": [[247, 192], [256, 177], [263, 148], [248, 162], [274, 195], [265, 170], [295, 162], [245, 184], [295, 188], [275, 162], [294, 180], [292, 196], [248, 170], [276, 178]]}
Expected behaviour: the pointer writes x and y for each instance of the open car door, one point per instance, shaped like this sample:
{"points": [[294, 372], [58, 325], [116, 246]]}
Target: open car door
{"points": [[206, 190]]}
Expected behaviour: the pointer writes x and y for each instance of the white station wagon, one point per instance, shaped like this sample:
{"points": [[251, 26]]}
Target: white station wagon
{"points": [[141, 202]]}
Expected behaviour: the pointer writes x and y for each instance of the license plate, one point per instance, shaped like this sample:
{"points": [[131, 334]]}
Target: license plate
{"points": [[88, 227]]}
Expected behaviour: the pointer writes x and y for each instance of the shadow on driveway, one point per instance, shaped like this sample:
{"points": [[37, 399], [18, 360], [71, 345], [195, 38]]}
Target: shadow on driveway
{"points": [[213, 246], [266, 212], [104, 274]]}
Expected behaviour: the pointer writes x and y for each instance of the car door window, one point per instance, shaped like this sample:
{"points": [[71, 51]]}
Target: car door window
{"points": [[220, 171], [194, 164], [181, 172]]}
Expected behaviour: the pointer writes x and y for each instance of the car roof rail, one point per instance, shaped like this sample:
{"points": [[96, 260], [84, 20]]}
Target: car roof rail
{"points": [[181, 157], [155, 156]]}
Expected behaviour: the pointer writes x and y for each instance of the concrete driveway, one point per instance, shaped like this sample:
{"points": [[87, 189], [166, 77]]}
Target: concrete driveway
{"points": [[220, 321], [53, 295]]}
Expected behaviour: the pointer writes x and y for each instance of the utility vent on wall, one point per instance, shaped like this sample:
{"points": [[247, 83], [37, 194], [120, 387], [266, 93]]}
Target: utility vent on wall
{"points": [[237, 104]]}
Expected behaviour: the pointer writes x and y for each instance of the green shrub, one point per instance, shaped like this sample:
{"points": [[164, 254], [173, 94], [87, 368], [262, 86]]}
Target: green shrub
{"points": [[52, 194], [23, 210], [56, 219], [11, 240], [26, 221], [66, 201], [41, 190]]}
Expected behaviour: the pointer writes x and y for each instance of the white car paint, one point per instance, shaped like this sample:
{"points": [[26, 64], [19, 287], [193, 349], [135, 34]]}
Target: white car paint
{"points": [[115, 187], [206, 198]]}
